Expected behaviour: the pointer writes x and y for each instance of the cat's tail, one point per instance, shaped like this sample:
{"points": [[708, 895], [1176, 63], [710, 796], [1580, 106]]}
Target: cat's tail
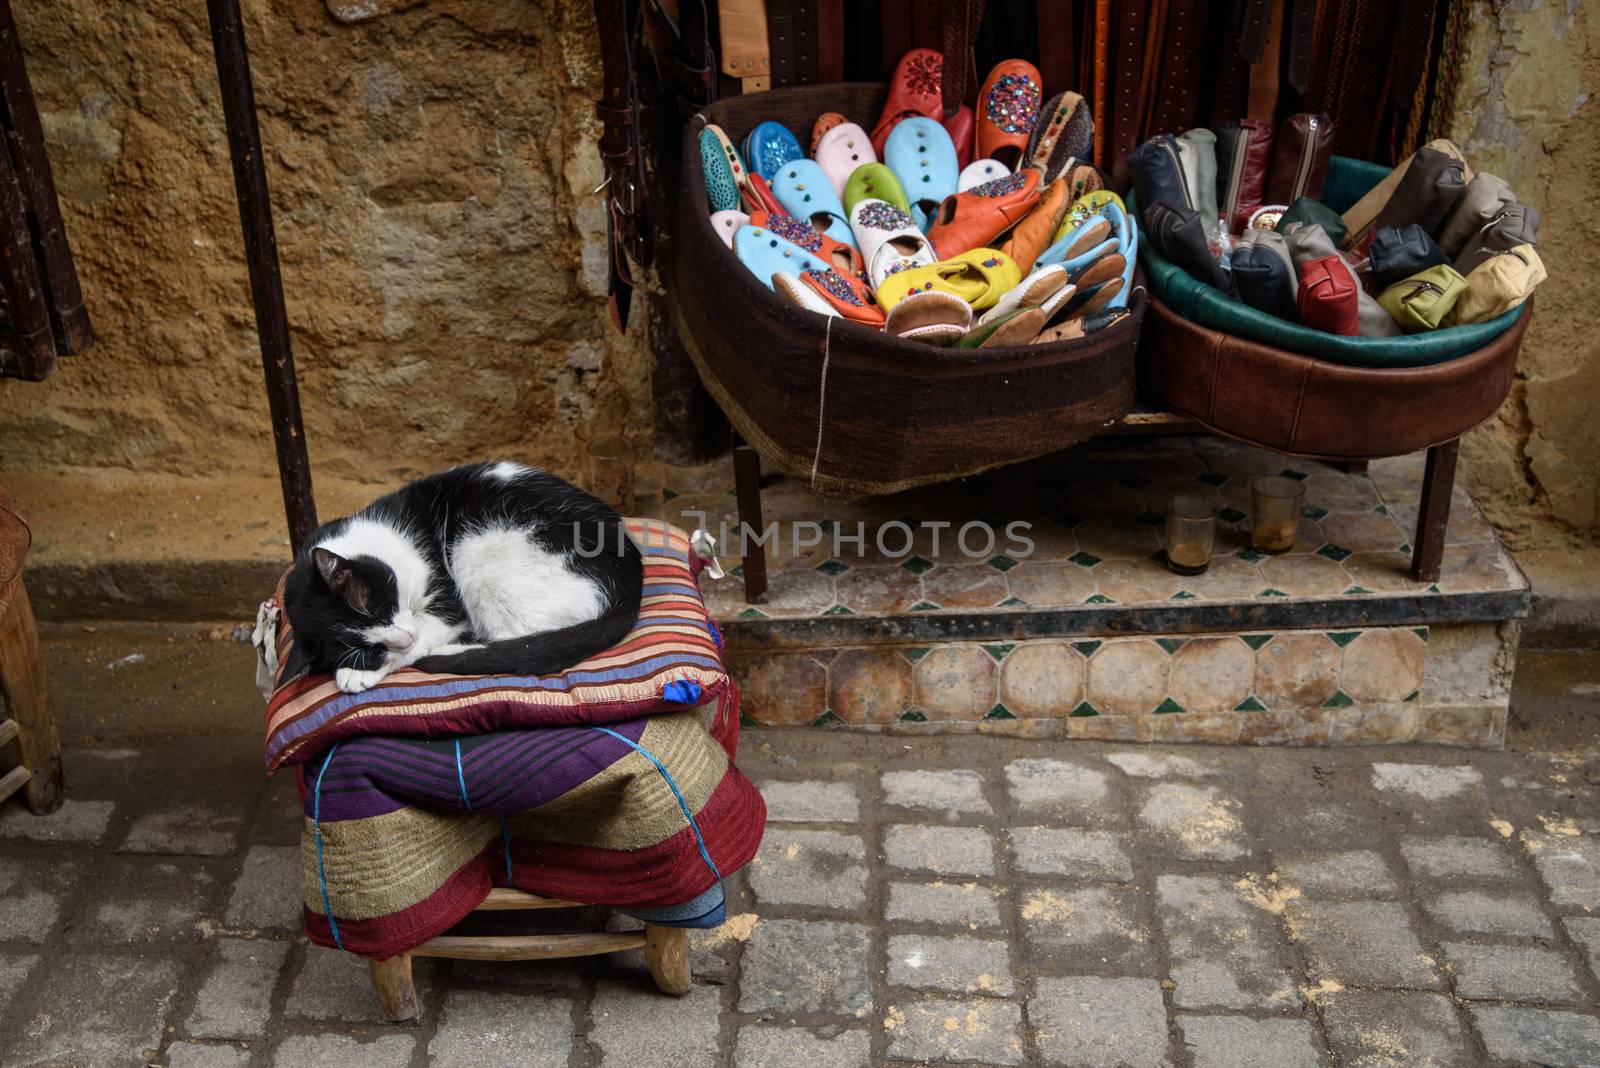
{"points": [[538, 654]]}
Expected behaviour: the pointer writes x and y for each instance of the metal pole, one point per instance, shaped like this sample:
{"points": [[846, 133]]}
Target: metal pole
{"points": [[261, 252]]}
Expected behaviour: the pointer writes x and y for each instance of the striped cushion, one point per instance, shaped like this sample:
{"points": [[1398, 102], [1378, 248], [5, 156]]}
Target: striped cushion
{"points": [[672, 659]]}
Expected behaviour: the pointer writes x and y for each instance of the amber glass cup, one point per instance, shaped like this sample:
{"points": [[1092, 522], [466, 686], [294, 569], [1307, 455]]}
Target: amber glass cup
{"points": [[1191, 531], [609, 472], [1275, 513]]}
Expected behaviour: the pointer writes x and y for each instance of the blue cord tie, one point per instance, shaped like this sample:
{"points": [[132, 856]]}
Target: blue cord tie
{"points": [[705, 854], [461, 779], [316, 827], [505, 836]]}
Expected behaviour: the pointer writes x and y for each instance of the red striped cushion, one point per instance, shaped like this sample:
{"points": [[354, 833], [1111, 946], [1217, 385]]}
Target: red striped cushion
{"points": [[674, 642]]}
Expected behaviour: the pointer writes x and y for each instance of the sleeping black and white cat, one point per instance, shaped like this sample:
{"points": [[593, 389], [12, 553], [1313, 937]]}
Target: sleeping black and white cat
{"points": [[485, 569]]}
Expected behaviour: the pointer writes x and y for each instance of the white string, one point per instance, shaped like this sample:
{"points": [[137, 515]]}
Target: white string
{"points": [[822, 400]]}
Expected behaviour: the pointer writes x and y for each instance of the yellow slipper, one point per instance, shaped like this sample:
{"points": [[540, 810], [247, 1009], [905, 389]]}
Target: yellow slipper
{"points": [[1085, 208], [979, 276]]}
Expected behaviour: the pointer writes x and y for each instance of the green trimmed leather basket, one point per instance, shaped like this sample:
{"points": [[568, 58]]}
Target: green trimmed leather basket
{"points": [[1288, 387]]}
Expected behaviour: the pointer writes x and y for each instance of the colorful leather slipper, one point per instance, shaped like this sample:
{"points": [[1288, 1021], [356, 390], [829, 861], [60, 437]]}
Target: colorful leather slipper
{"points": [[1089, 206], [1034, 291], [841, 257], [921, 155], [1019, 326], [1127, 247], [718, 160], [758, 195], [889, 241], [765, 254], [1032, 235], [1094, 296], [979, 277], [825, 122], [980, 215], [1103, 266], [1008, 111], [1064, 134], [727, 223], [788, 286], [1082, 179], [935, 317], [769, 147], [979, 171], [841, 150], [914, 90], [846, 296], [873, 181], [805, 193], [960, 127], [1083, 326], [1074, 247]]}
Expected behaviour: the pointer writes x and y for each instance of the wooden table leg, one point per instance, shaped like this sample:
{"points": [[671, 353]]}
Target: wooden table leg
{"points": [[28, 702], [666, 954], [1433, 514], [392, 980], [1353, 467], [747, 486]]}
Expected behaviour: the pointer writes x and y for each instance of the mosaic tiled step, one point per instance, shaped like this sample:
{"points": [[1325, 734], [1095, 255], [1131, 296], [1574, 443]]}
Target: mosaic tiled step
{"points": [[1446, 684]]}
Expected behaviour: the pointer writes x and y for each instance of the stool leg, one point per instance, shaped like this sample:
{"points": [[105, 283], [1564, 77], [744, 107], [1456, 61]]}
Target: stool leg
{"points": [[666, 954], [747, 486], [28, 702], [1433, 515], [392, 980]]}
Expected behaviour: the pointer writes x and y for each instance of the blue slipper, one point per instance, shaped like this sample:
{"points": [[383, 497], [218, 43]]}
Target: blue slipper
{"points": [[765, 254], [923, 157], [769, 146], [1081, 241], [805, 192], [1128, 245]]}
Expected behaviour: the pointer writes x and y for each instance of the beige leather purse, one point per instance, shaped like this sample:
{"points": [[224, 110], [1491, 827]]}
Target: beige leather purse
{"points": [[1497, 285]]}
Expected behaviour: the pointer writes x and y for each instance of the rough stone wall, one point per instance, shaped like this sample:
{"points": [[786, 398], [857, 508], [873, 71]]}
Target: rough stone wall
{"points": [[431, 167], [1526, 110]]}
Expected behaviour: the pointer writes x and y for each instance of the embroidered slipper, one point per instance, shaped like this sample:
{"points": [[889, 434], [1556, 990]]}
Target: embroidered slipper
{"points": [[1033, 234], [935, 317], [841, 257], [841, 150], [727, 223], [825, 122], [1082, 327], [889, 241], [979, 277], [874, 181], [922, 157], [1089, 206], [1034, 291], [1008, 111], [805, 193], [789, 287], [1082, 179], [914, 89], [846, 296], [979, 171], [1017, 327], [770, 147], [722, 169], [765, 254], [1063, 135], [980, 215]]}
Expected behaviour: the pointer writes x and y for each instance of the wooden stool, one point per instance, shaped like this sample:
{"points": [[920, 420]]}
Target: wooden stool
{"points": [[666, 951], [27, 718]]}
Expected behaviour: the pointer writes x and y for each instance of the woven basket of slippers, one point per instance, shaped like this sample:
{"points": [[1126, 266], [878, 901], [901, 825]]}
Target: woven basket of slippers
{"points": [[1368, 312], [874, 314]]}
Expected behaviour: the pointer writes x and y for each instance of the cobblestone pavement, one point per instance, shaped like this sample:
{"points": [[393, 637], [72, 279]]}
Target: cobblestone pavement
{"points": [[949, 900]]}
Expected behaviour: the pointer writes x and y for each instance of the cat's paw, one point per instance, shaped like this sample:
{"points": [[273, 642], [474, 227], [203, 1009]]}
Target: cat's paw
{"points": [[349, 680]]}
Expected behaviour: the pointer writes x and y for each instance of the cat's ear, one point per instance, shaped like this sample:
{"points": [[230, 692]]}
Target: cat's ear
{"points": [[341, 578]]}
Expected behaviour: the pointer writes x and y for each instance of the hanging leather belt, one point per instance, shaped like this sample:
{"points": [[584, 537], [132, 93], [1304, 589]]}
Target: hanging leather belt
{"points": [[1302, 27], [1128, 61], [1175, 110], [961, 18]]}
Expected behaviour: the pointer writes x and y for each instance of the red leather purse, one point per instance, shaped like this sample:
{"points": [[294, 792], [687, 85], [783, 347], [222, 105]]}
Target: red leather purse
{"points": [[1327, 297]]}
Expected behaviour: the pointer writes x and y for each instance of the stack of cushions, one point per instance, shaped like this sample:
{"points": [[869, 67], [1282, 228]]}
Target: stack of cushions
{"points": [[611, 783]]}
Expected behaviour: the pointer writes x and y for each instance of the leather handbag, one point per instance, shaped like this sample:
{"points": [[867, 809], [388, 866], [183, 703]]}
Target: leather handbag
{"points": [[1517, 224], [1307, 210], [1327, 296], [1157, 169], [1486, 197], [1427, 193], [1300, 157], [1244, 152], [1308, 241], [1422, 301], [1176, 231], [1497, 285], [1197, 152], [1397, 254], [1264, 274]]}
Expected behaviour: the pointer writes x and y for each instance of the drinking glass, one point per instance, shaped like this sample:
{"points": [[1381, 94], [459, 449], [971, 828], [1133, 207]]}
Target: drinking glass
{"points": [[1191, 531], [1276, 501]]}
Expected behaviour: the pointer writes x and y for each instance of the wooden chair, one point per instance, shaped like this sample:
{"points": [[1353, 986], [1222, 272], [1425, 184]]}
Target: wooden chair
{"points": [[666, 951], [27, 718]]}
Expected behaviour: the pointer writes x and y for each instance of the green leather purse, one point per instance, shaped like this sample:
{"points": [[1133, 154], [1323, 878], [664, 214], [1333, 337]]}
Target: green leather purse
{"points": [[1421, 302], [1307, 210]]}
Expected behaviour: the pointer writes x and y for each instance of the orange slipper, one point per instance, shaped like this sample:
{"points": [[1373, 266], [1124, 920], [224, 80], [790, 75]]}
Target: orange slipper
{"points": [[845, 295], [1008, 110], [980, 215], [1034, 233], [825, 122]]}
